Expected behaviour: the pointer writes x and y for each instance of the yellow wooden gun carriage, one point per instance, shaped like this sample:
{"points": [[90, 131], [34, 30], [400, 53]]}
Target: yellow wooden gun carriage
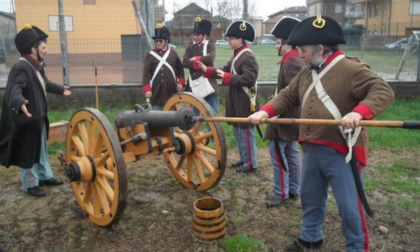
{"points": [[97, 152]]}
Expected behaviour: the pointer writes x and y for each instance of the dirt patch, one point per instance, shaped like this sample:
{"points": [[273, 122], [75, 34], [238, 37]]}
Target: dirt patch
{"points": [[55, 223]]}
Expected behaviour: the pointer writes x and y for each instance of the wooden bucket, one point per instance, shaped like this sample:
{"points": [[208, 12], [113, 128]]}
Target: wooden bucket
{"points": [[208, 220]]}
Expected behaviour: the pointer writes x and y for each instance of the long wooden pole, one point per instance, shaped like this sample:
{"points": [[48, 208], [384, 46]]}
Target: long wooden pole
{"points": [[363, 123]]}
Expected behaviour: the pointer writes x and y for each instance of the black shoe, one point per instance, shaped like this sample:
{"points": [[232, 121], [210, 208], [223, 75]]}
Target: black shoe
{"points": [[51, 182], [275, 201], [293, 196], [36, 191], [237, 164], [244, 169], [302, 245]]}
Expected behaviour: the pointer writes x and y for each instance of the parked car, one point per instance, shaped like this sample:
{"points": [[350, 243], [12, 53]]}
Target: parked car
{"points": [[221, 42], [400, 44], [267, 42]]}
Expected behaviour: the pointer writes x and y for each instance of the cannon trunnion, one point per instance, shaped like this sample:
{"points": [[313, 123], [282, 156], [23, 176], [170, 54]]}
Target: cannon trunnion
{"points": [[97, 153]]}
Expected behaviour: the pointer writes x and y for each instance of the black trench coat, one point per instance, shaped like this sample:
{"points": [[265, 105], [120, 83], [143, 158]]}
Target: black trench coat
{"points": [[20, 136]]}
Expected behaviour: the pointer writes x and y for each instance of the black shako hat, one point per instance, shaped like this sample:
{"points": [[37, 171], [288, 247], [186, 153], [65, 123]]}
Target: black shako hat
{"points": [[317, 31], [28, 36], [284, 27], [241, 29], [202, 26], [162, 32]]}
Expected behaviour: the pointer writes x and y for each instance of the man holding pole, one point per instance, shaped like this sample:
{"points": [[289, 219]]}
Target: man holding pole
{"points": [[332, 86], [163, 74], [284, 153]]}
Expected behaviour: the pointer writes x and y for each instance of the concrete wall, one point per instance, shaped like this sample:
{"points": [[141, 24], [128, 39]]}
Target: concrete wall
{"points": [[111, 95]]}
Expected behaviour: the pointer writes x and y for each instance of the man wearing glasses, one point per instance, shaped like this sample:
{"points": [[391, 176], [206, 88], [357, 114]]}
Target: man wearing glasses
{"points": [[240, 75], [163, 74]]}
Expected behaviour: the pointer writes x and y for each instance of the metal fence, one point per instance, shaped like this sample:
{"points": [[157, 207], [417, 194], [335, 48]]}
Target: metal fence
{"points": [[374, 33]]}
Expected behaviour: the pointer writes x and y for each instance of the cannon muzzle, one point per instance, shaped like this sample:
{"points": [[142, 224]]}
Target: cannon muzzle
{"points": [[156, 119]]}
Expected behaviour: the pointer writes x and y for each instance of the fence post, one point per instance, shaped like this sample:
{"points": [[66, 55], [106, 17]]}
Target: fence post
{"points": [[418, 67], [63, 43]]}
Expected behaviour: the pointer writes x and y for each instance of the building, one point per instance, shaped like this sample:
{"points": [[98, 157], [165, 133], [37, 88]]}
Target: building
{"points": [[183, 23], [331, 8], [7, 33], [389, 17], [299, 12], [103, 33], [86, 21]]}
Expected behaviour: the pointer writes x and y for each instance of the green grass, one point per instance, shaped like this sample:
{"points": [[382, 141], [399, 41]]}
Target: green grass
{"points": [[241, 243], [396, 139]]}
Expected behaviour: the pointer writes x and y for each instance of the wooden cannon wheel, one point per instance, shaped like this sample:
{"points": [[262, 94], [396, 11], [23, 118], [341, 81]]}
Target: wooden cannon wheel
{"points": [[203, 164], [100, 186]]}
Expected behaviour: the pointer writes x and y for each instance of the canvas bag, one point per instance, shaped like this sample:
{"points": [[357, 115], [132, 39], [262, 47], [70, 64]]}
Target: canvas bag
{"points": [[201, 86]]}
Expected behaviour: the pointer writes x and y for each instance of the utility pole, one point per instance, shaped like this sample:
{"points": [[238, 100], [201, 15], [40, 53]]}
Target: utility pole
{"points": [[63, 43], [245, 14]]}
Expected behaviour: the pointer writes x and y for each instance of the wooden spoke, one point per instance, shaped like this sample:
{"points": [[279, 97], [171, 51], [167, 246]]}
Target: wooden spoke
{"points": [[84, 135], [101, 160], [106, 187], [190, 169], [205, 162], [78, 145], [87, 194], [105, 173], [102, 198], [96, 203], [180, 162], [199, 170], [206, 149]]}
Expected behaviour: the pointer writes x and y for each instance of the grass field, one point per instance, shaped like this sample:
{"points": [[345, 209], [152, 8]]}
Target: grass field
{"points": [[385, 63]]}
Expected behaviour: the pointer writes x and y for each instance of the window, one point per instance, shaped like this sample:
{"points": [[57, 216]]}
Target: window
{"points": [[89, 1], [55, 26], [338, 8], [376, 12], [415, 8], [370, 12]]}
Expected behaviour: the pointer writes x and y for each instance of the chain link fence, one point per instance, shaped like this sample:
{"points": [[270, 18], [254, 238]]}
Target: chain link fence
{"points": [[107, 35]]}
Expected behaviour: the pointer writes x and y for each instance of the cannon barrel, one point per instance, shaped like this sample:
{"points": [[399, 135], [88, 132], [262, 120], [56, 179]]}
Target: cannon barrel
{"points": [[156, 119]]}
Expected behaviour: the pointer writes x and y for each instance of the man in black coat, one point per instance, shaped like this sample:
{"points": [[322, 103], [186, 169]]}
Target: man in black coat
{"points": [[24, 123]]}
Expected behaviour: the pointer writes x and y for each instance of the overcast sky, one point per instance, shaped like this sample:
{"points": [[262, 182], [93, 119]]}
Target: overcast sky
{"points": [[263, 9]]}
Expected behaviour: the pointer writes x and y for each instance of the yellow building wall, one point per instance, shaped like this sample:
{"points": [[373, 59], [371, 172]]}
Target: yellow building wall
{"points": [[400, 19], [97, 28]]}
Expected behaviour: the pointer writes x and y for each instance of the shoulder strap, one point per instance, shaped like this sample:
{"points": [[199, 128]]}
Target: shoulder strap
{"points": [[232, 67], [162, 61], [320, 75], [206, 42]]}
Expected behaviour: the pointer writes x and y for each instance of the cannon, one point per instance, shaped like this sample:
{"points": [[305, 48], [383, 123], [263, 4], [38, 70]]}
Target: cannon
{"points": [[97, 152]]}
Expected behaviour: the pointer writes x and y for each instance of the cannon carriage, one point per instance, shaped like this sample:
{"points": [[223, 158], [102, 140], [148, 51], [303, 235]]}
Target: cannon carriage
{"points": [[97, 152]]}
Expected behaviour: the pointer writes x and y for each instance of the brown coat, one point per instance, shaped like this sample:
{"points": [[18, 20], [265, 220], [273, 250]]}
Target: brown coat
{"points": [[194, 50], [237, 101], [284, 132], [164, 85], [349, 83]]}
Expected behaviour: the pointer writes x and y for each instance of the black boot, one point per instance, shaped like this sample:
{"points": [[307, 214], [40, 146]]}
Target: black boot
{"points": [[51, 182], [237, 164], [301, 245], [36, 191]]}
